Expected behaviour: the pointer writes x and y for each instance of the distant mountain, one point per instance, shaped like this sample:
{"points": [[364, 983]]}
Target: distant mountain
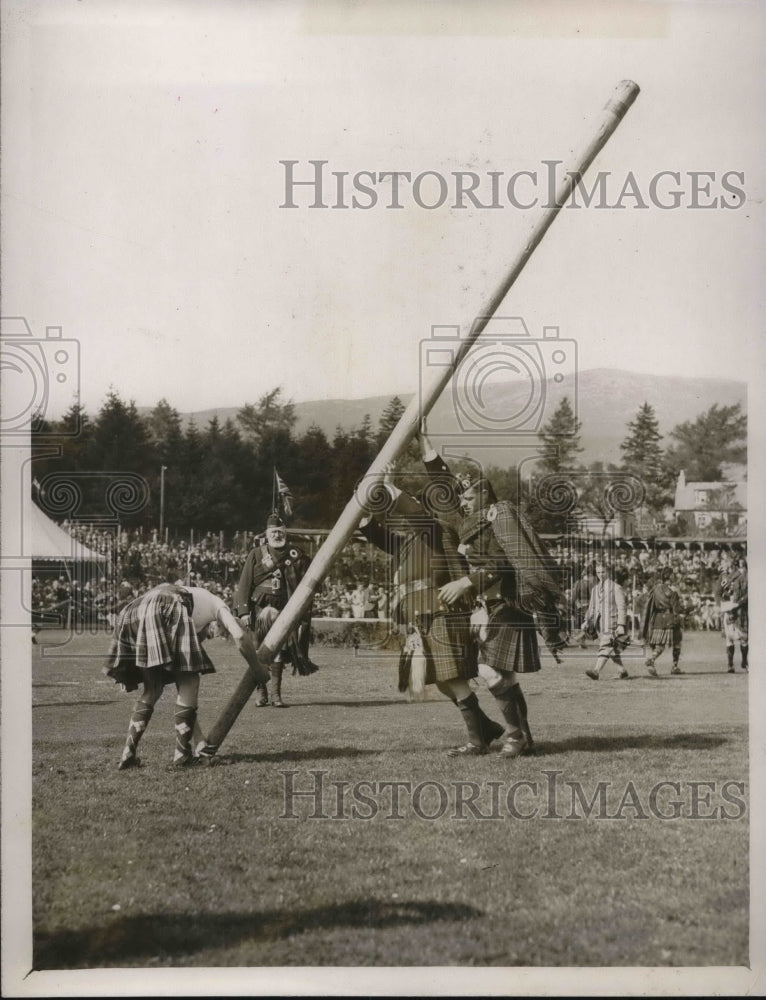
{"points": [[606, 400]]}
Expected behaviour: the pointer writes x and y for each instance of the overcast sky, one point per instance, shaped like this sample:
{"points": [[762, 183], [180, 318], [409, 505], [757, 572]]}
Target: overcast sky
{"points": [[143, 184]]}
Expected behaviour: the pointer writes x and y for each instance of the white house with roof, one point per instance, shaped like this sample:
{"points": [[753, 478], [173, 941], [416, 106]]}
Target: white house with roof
{"points": [[708, 502]]}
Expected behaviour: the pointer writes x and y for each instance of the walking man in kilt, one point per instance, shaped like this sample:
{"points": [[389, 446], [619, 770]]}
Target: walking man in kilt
{"points": [[662, 623]]}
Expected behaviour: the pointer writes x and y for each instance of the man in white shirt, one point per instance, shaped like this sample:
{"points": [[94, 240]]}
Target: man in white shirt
{"points": [[606, 615]]}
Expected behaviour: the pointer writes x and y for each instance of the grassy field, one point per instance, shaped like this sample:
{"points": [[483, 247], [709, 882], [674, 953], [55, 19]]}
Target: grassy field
{"points": [[568, 858]]}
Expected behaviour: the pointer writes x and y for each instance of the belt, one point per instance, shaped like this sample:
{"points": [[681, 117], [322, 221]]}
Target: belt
{"points": [[414, 586], [403, 589]]}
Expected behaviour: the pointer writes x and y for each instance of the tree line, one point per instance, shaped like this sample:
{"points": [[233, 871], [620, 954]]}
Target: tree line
{"points": [[220, 476], [648, 471]]}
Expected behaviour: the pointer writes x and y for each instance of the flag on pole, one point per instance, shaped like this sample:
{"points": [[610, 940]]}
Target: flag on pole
{"points": [[283, 496]]}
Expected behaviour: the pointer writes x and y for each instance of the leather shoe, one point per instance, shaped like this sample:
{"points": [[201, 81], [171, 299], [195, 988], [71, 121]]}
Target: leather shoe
{"points": [[468, 750], [514, 746]]}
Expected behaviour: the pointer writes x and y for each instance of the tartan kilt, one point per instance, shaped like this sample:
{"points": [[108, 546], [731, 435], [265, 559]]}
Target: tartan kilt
{"points": [[666, 636], [511, 642], [155, 632], [447, 647], [291, 651]]}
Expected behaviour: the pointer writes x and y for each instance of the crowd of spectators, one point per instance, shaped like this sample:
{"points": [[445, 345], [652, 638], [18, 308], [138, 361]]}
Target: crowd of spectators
{"points": [[358, 586], [696, 576]]}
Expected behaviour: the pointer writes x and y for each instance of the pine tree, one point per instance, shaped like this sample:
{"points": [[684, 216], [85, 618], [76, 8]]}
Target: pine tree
{"points": [[120, 437], [389, 418], [364, 431], [268, 415], [117, 443], [547, 505], [560, 440], [72, 433], [184, 506], [644, 458], [314, 506]]}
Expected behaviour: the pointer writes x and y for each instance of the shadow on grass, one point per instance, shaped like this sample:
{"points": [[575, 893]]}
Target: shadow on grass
{"points": [[604, 744], [145, 936], [370, 703], [286, 756]]}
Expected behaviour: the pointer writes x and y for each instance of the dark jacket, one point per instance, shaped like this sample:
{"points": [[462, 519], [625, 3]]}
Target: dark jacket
{"points": [[663, 610], [425, 552], [269, 577]]}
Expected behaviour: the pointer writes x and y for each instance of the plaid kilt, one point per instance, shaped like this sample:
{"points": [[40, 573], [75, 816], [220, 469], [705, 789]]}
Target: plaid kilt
{"points": [[511, 642], [155, 632], [666, 636], [291, 651], [447, 647]]}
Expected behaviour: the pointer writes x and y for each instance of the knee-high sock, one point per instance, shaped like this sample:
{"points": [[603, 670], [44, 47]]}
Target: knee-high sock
{"points": [[509, 706], [472, 714], [184, 727], [743, 648], [139, 720], [521, 704], [276, 675], [490, 729]]}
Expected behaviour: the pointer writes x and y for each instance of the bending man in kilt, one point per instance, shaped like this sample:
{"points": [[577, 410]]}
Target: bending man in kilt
{"points": [[662, 622], [271, 573], [157, 641], [513, 582], [425, 552]]}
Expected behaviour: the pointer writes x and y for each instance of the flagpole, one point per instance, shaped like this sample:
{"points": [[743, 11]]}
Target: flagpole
{"points": [[435, 380]]}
